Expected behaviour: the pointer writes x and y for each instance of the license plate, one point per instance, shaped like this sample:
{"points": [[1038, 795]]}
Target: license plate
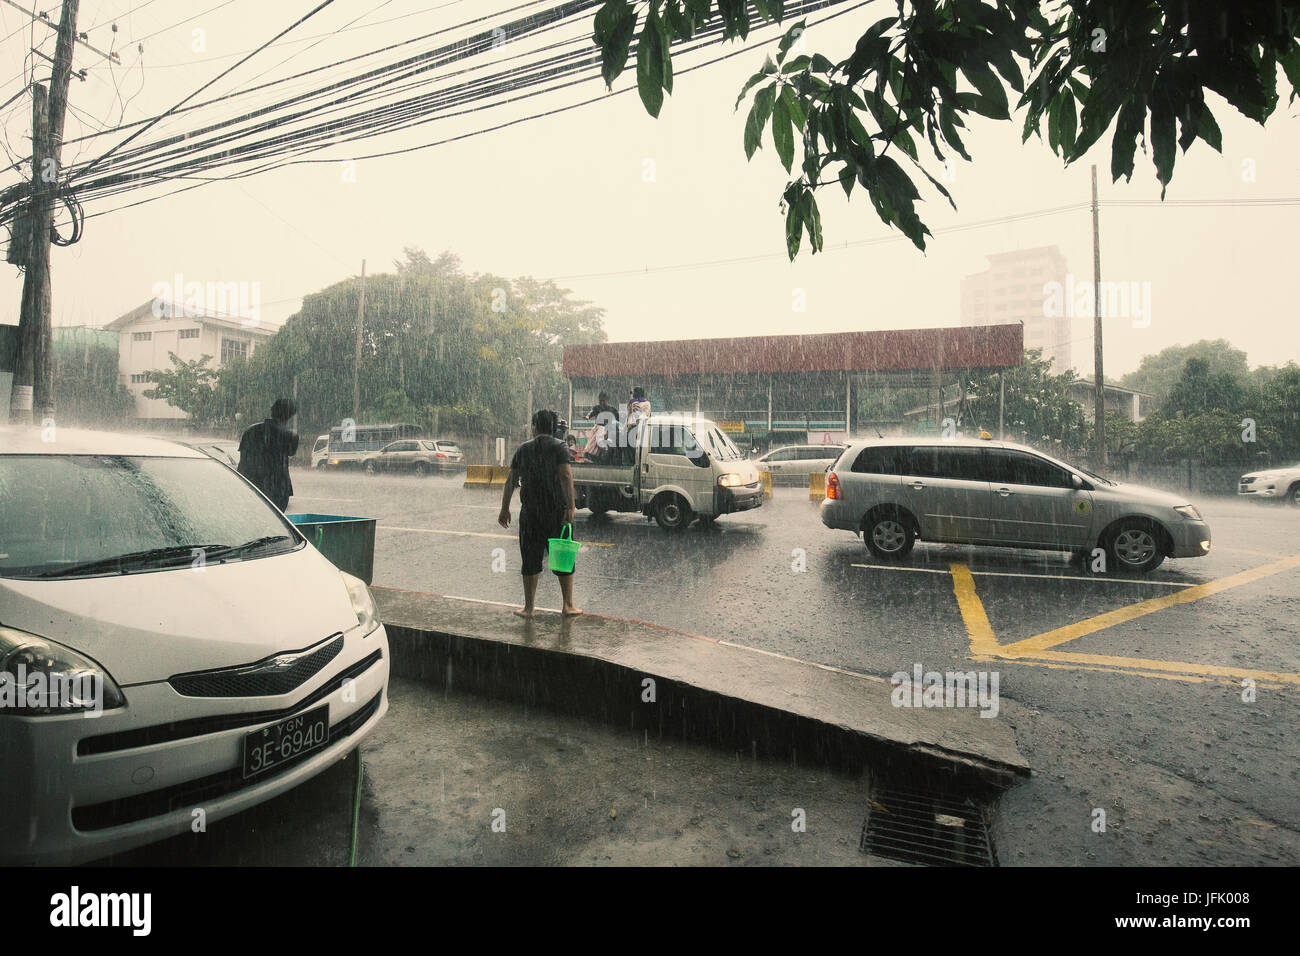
{"points": [[271, 746]]}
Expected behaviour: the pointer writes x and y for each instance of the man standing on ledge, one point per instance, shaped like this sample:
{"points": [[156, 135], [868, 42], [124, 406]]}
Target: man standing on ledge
{"points": [[541, 470], [265, 450]]}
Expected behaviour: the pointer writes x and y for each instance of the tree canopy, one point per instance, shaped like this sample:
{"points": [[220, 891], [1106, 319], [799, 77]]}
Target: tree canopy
{"points": [[915, 77], [436, 341]]}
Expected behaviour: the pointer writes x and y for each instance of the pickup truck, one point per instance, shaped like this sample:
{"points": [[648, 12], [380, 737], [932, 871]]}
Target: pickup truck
{"points": [[672, 467]]}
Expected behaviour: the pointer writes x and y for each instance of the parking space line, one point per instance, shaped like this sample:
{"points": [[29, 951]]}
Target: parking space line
{"points": [[481, 534], [978, 629], [1175, 667], [1020, 574], [1034, 645]]}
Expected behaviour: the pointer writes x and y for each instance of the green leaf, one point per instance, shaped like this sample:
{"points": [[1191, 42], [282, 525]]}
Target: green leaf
{"points": [[993, 96], [665, 52], [782, 135], [756, 79], [791, 100], [812, 217], [1067, 125], [847, 176], [650, 68], [793, 228], [787, 41], [821, 64], [615, 25], [1124, 142], [1208, 130], [757, 119], [798, 63], [702, 9], [1163, 145]]}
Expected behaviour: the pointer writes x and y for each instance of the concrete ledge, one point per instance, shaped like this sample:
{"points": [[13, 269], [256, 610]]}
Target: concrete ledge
{"points": [[758, 703]]}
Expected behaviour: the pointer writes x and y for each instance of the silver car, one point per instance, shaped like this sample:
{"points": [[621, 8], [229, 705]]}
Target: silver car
{"points": [[796, 462], [970, 491]]}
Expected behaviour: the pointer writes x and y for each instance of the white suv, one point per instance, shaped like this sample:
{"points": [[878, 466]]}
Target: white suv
{"points": [[894, 491], [1277, 484]]}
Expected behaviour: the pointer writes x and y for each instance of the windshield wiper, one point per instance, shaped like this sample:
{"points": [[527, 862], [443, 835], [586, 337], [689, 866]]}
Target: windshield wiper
{"points": [[255, 544], [134, 559]]}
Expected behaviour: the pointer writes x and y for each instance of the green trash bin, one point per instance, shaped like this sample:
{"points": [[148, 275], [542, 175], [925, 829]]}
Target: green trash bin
{"points": [[347, 540]]}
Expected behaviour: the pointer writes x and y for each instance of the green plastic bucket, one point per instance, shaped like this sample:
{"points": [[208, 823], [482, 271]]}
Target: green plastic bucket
{"points": [[563, 551]]}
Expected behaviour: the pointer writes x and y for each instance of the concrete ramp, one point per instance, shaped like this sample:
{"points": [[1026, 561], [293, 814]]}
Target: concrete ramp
{"points": [[654, 679]]}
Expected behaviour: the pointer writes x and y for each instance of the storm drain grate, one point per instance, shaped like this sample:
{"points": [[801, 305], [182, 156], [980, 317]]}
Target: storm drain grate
{"points": [[927, 828]]}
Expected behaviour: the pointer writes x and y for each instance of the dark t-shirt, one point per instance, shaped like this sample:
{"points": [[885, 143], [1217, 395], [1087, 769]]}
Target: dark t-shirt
{"points": [[264, 453], [538, 464]]}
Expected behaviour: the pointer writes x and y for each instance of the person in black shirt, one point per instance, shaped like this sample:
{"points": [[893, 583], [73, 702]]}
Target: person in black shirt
{"points": [[541, 470], [265, 450]]}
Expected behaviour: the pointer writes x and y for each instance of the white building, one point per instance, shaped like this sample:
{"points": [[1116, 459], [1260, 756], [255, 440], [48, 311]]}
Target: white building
{"points": [[148, 333], [1012, 290]]}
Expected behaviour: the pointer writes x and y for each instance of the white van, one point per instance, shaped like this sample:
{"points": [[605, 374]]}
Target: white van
{"points": [[168, 640], [674, 467]]}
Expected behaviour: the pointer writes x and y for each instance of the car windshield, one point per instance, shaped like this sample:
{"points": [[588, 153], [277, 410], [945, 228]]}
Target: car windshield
{"points": [[83, 515], [718, 445]]}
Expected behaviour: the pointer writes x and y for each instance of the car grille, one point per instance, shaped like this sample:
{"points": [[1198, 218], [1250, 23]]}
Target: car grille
{"points": [[275, 675], [100, 816], [198, 726]]}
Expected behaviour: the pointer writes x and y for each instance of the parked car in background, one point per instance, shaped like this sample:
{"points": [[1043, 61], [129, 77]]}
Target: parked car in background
{"points": [[796, 462], [1274, 484], [219, 689], [320, 452], [978, 491], [416, 456]]}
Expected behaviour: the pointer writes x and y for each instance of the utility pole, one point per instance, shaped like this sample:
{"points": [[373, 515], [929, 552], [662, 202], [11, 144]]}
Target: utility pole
{"points": [[1099, 381], [32, 398], [356, 368]]}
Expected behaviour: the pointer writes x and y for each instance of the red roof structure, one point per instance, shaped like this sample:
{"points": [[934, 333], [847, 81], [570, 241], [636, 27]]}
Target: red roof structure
{"points": [[972, 347]]}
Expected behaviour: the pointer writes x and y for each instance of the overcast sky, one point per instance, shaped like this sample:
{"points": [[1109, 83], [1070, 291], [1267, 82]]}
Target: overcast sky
{"points": [[566, 197]]}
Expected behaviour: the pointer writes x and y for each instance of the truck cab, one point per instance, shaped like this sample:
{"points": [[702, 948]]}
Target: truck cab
{"points": [[674, 467]]}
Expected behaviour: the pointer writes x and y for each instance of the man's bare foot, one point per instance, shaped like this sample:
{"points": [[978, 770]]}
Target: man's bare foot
{"points": [[572, 612], [525, 613]]}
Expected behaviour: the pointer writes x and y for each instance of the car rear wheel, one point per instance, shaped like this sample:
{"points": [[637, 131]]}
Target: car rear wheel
{"points": [[1135, 546], [672, 513], [1293, 495], [371, 468], [421, 470], [888, 535]]}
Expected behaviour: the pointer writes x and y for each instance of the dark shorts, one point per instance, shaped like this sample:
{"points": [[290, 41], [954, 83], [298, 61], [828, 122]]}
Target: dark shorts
{"points": [[534, 540]]}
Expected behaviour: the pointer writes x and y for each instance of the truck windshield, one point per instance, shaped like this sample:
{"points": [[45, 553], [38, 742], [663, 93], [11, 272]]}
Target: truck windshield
{"points": [[719, 446]]}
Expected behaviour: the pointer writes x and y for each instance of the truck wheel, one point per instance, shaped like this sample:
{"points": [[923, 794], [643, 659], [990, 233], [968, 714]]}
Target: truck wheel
{"points": [[672, 513], [322, 465]]}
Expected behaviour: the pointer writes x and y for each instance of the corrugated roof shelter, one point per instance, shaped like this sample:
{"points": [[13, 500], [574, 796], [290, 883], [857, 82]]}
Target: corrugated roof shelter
{"points": [[785, 388]]}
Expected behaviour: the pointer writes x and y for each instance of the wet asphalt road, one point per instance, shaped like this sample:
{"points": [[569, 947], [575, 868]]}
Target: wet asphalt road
{"points": [[1146, 720]]}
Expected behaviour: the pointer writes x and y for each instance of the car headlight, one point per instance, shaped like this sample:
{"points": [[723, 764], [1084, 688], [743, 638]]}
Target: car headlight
{"points": [[1188, 511], [731, 480], [362, 603], [39, 677]]}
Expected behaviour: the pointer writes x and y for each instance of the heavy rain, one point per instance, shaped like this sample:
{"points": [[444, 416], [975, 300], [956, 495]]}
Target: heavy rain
{"points": [[650, 433]]}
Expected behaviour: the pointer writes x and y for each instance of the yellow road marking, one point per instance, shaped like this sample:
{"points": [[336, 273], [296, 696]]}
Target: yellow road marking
{"points": [[1177, 667], [982, 638], [1033, 646]]}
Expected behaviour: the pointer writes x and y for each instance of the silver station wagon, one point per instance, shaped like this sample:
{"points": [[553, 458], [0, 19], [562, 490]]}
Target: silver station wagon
{"points": [[971, 491]]}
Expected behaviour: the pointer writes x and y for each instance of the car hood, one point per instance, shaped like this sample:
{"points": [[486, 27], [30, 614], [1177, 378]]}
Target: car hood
{"points": [[1277, 472], [149, 626], [1140, 494]]}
